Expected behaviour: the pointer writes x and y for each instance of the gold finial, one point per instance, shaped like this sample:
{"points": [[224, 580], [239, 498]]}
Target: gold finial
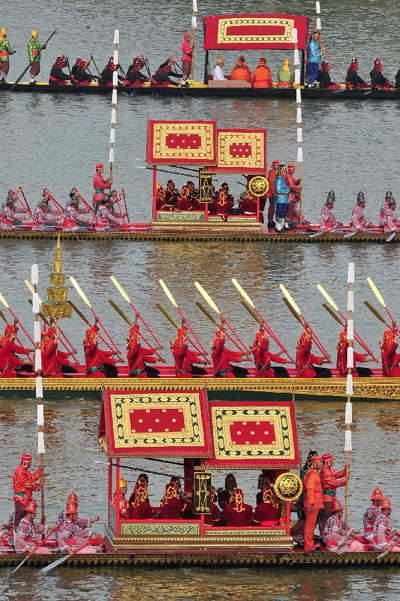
{"points": [[56, 306]]}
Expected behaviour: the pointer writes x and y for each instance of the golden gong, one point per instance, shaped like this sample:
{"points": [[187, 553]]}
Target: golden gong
{"points": [[288, 487], [258, 185]]}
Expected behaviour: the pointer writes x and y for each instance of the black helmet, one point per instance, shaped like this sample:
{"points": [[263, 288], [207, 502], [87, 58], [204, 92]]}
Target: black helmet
{"points": [[10, 197], [360, 197], [388, 194], [331, 196]]}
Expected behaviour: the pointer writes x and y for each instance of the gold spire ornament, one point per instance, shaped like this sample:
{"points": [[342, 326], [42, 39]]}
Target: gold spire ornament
{"points": [[57, 306]]}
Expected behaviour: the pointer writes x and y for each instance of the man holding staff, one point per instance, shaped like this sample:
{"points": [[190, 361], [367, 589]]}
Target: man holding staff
{"points": [[34, 50]]}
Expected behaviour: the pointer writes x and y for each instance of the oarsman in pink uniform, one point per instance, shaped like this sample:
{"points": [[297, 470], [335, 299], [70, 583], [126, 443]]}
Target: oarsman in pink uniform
{"points": [[80, 216], [45, 215], [392, 222], [372, 513], [359, 222], [10, 211], [385, 537], [384, 207], [294, 191], [338, 536], [187, 57], [72, 537], [105, 217], [100, 185], [28, 533], [330, 482], [328, 220], [82, 523], [24, 483]]}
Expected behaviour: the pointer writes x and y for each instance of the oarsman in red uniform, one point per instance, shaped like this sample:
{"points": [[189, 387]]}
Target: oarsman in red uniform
{"points": [[223, 203], [82, 523], [268, 512], [371, 514], [138, 356], [72, 537], [187, 57], [294, 191], [28, 533], [55, 363], [313, 502], [139, 506], [171, 505], [237, 512], [213, 518], [123, 503], [331, 480], [184, 358], [263, 357], [338, 536], [99, 363], [24, 483], [385, 537], [341, 362], [9, 362], [271, 177], [390, 358], [100, 185], [306, 361], [221, 359]]}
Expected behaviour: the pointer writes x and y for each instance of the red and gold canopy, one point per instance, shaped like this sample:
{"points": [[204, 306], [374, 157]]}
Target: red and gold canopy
{"points": [[241, 151], [181, 142], [146, 424], [255, 32], [247, 435]]}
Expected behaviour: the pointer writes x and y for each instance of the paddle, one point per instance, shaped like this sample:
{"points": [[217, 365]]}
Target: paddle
{"points": [[62, 559], [25, 70], [94, 62], [390, 238], [35, 549], [336, 317], [167, 315], [382, 302], [377, 314]]}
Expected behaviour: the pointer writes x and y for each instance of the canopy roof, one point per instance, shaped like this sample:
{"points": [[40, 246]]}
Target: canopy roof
{"points": [[254, 32], [148, 424]]}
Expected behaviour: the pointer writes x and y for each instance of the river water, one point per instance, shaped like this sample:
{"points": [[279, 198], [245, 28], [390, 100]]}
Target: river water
{"points": [[56, 141]]}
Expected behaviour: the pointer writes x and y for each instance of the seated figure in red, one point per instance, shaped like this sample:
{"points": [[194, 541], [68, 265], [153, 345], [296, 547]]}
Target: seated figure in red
{"points": [[138, 356], [184, 358], [54, 361], [171, 505], [308, 363], [214, 518], [264, 479], [222, 357], [224, 494], [123, 503], [9, 362], [267, 512], [99, 364], [223, 203], [139, 506], [161, 201], [390, 358], [237, 512]]}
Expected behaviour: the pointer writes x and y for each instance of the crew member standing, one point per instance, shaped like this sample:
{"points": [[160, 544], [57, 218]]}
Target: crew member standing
{"points": [[187, 57], [294, 191], [100, 185], [314, 58], [271, 177], [34, 52], [24, 483], [330, 482], [281, 199], [5, 53], [313, 502]]}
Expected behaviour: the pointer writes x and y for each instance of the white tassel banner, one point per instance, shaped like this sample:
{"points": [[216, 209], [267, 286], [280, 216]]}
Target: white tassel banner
{"points": [[300, 154], [350, 330], [295, 40], [319, 24], [350, 274], [297, 76], [350, 300], [299, 134], [350, 357], [36, 332], [112, 136], [34, 275], [194, 22], [113, 115], [41, 449], [347, 441], [195, 6], [298, 115], [348, 418], [40, 415], [114, 99], [115, 56], [116, 36], [35, 303], [39, 388], [296, 57], [349, 385], [318, 8], [38, 360], [111, 160], [298, 96], [115, 78]]}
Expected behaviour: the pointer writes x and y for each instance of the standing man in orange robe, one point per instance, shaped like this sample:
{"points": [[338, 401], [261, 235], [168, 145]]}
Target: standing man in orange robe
{"points": [[313, 502]]}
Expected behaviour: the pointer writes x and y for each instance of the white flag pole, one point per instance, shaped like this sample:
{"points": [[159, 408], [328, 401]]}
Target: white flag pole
{"points": [[114, 105], [299, 118], [194, 25], [349, 385]]}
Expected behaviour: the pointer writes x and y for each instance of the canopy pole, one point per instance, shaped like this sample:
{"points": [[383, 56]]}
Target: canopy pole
{"points": [[299, 121], [114, 105], [318, 26], [349, 384], [194, 25]]}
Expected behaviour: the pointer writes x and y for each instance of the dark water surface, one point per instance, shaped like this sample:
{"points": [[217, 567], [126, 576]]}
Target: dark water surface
{"points": [[56, 141]]}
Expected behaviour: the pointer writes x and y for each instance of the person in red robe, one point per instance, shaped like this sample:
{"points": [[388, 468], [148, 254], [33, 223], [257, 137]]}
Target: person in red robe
{"points": [[24, 483], [100, 185], [187, 57], [263, 358], [138, 356], [271, 177], [294, 191], [9, 362], [341, 361], [237, 512], [264, 479], [213, 518], [54, 362], [249, 205], [184, 358], [184, 201], [139, 506], [123, 503], [98, 363], [306, 361], [171, 505], [331, 480], [390, 358], [223, 203], [268, 512], [222, 357]]}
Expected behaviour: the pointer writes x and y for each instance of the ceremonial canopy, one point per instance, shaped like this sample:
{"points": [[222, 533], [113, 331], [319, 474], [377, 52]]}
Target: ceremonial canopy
{"points": [[254, 32]]}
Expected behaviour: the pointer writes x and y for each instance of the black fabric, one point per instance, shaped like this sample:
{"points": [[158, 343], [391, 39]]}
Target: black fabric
{"points": [[134, 76], [109, 370], [28, 367], [158, 79], [324, 79], [200, 371], [68, 369], [80, 74], [353, 79], [281, 372], [397, 80], [364, 372], [105, 77], [239, 372], [59, 75], [322, 372], [377, 79], [151, 371]]}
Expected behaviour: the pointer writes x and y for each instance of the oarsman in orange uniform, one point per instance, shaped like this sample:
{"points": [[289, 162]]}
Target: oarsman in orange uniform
{"points": [[390, 359], [98, 363], [271, 177], [24, 483], [10, 363], [240, 71], [185, 358], [262, 77], [331, 480], [55, 363], [306, 361], [100, 185], [313, 502]]}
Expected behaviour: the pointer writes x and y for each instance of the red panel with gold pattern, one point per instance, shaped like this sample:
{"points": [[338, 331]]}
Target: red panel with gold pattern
{"points": [[153, 423], [181, 142], [255, 32], [253, 435], [241, 151]]}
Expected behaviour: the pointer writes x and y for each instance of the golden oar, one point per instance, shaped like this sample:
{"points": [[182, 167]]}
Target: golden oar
{"points": [[382, 302], [167, 315], [378, 314], [7, 306]]}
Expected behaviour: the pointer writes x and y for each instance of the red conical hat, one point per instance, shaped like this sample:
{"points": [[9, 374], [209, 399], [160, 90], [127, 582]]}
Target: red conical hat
{"points": [[386, 504], [337, 506], [71, 508], [31, 506], [377, 495], [72, 498]]}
